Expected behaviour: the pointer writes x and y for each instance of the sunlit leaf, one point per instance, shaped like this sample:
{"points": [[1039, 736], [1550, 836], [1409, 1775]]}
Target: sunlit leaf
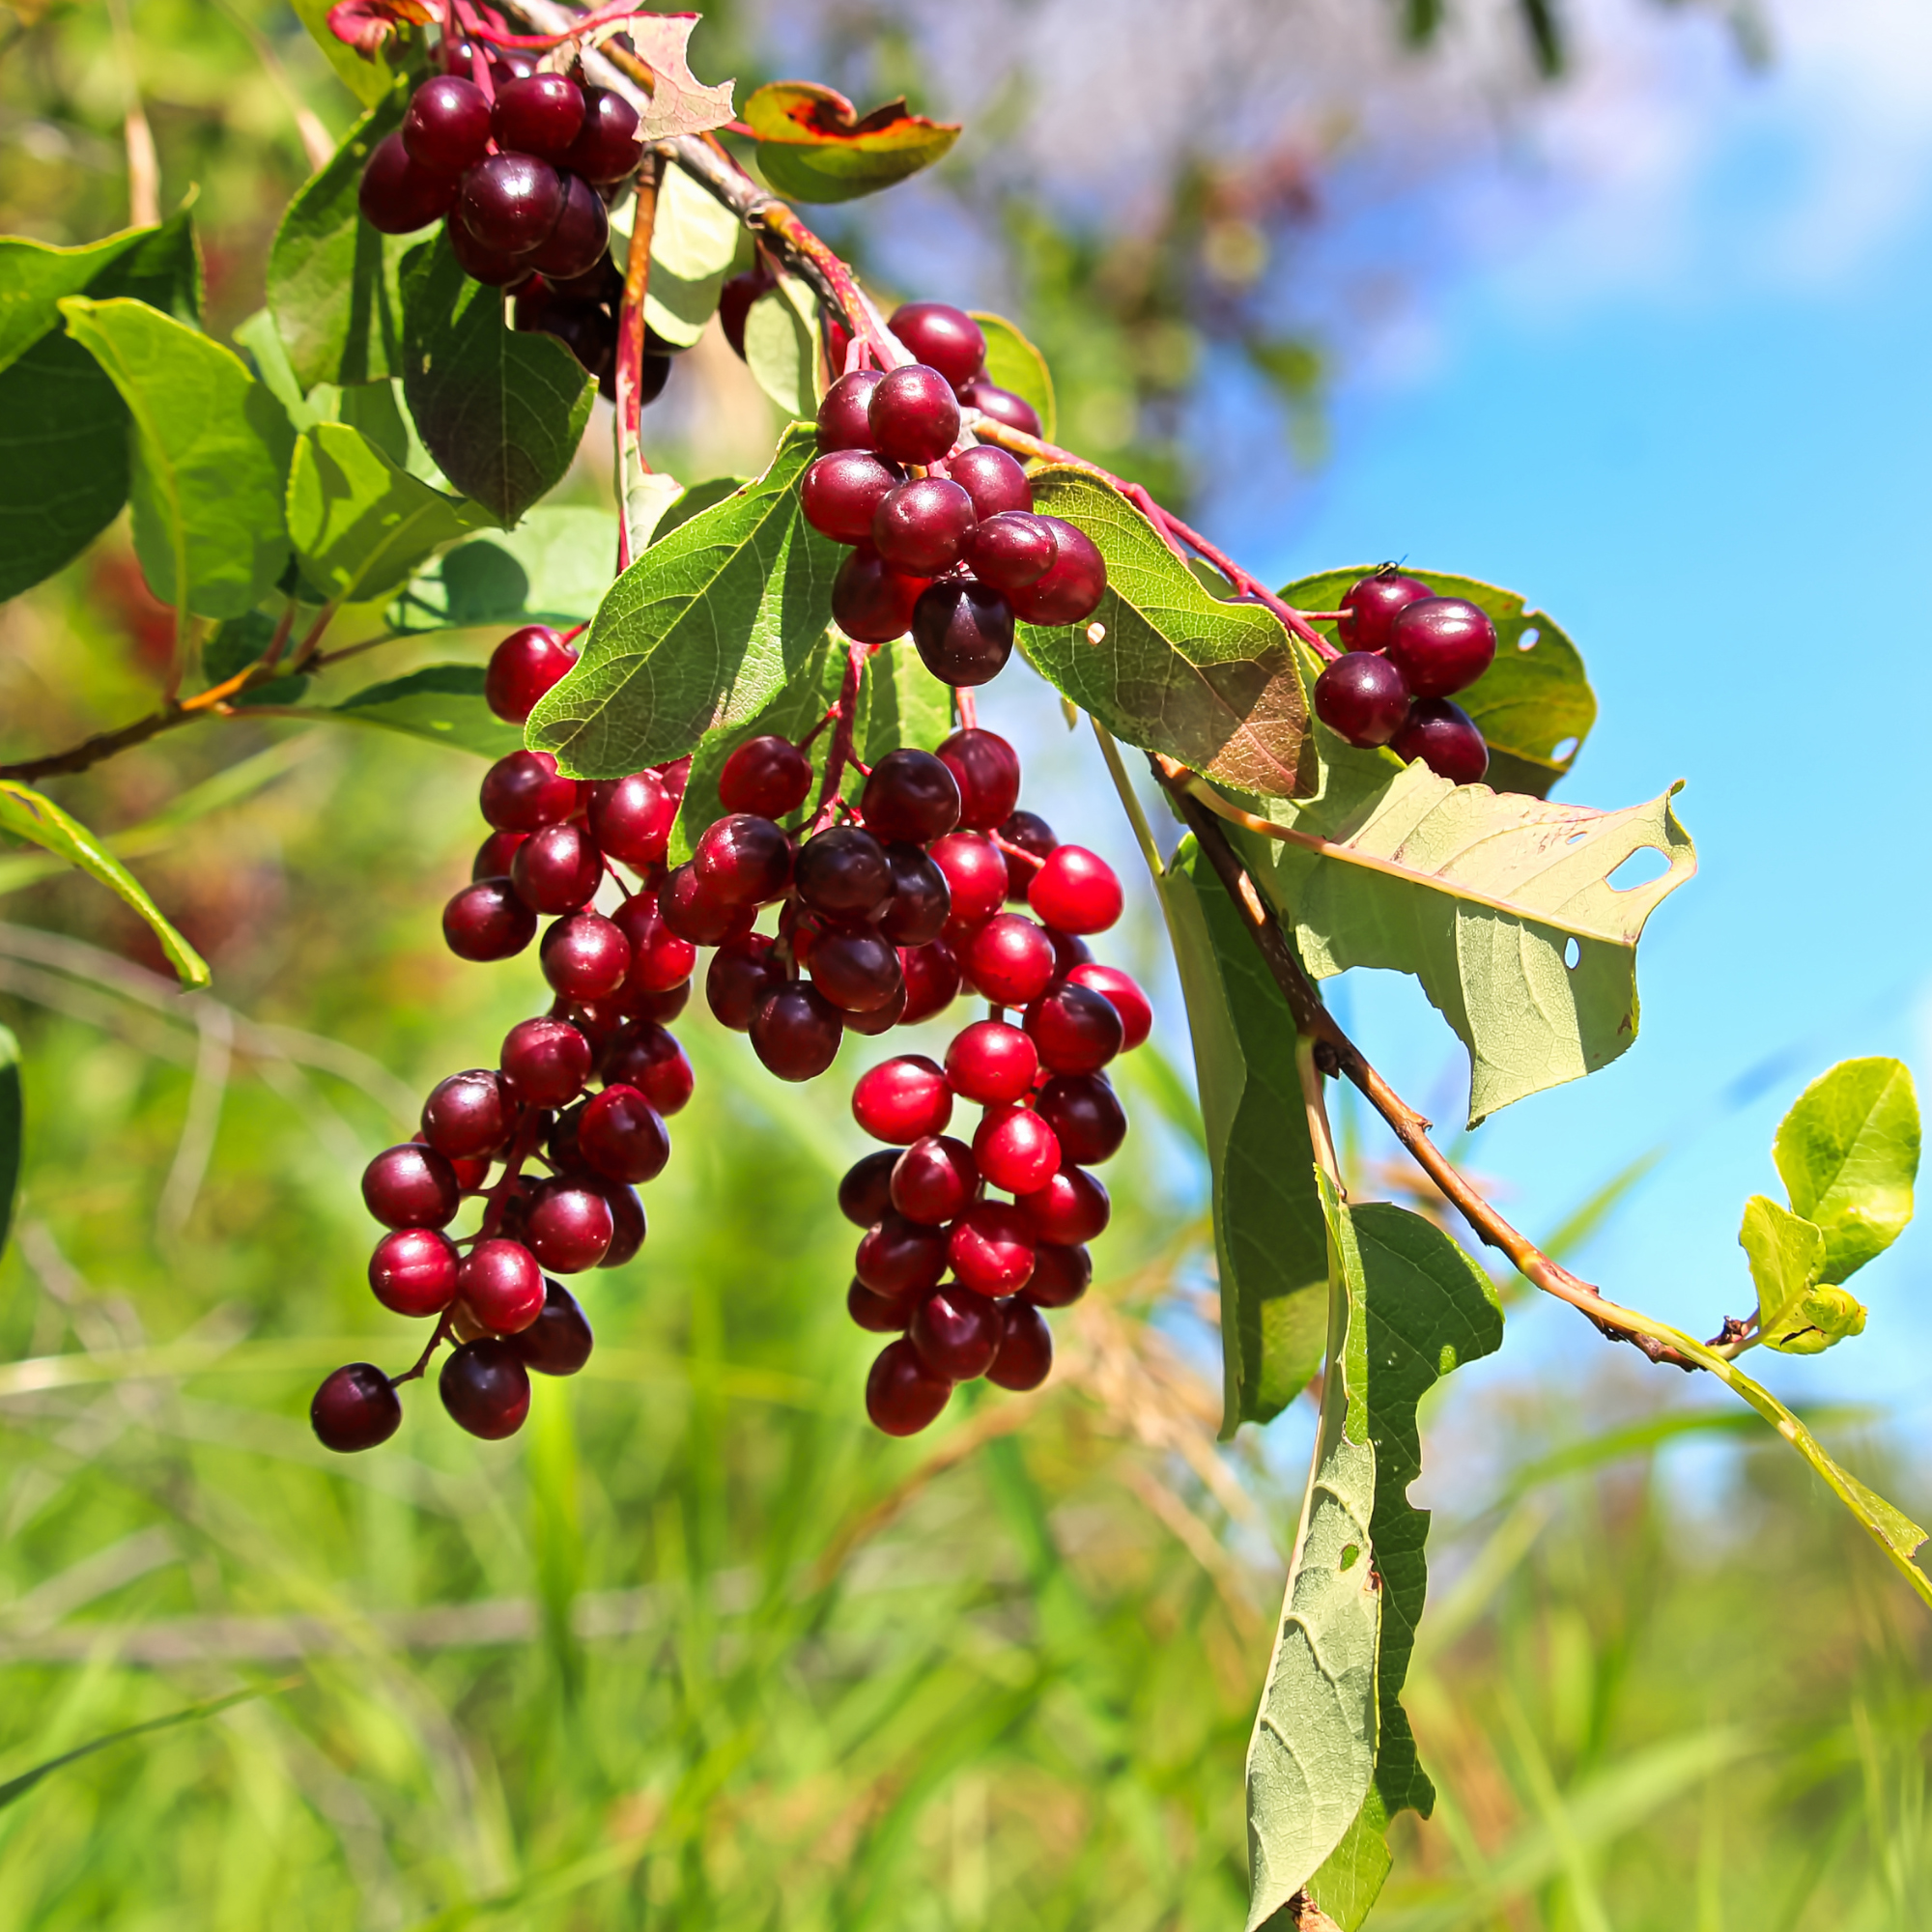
{"points": [[554, 567], [443, 703], [156, 265], [695, 239], [680, 103], [1848, 1153], [1016, 364], [813, 145], [781, 348]]}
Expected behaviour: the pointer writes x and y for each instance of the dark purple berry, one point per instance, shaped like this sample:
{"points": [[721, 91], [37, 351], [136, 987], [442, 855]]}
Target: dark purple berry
{"points": [[1442, 645], [1445, 738], [447, 128], [1370, 608], [558, 1343], [994, 480], [539, 115], [486, 1388], [942, 337], [606, 147], [963, 632], [871, 603], [397, 197], [842, 419], [914, 414], [796, 1031], [510, 203], [356, 1409], [1363, 696]]}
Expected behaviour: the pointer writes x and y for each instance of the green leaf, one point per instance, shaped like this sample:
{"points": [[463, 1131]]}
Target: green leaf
{"points": [[1270, 1236], [1534, 705], [900, 702], [502, 412], [333, 281], [782, 347], [1787, 1256], [703, 631], [1482, 896], [1016, 364], [1848, 1153], [210, 454], [359, 524], [698, 496], [28, 814], [443, 703], [694, 240], [554, 567], [260, 337], [156, 265], [13, 1131], [367, 81], [813, 145], [1177, 671]]}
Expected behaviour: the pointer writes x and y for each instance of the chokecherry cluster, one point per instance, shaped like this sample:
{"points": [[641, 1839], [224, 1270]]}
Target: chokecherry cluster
{"points": [[1409, 652], [946, 541]]}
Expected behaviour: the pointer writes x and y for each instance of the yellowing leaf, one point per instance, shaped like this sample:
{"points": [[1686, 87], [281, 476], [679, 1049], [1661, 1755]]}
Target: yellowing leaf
{"points": [[813, 145], [679, 103]]}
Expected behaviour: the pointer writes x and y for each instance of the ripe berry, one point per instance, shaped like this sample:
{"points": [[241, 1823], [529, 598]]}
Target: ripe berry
{"points": [[991, 1062], [494, 855], [877, 1314], [558, 1343], [647, 1056], [487, 920], [741, 974], [485, 1389], [914, 414], [490, 267], [842, 490], [540, 115], [631, 818], [866, 1190], [931, 979], [842, 419], [1442, 645], [992, 479], [1076, 891], [396, 195], [357, 1408], [1445, 738], [662, 1007], [412, 1187], [589, 330], [1034, 837], [580, 237], [1363, 696], [1002, 404], [584, 957], [901, 1100], [699, 916], [844, 872], [910, 795], [469, 1115], [1070, 591], [557, 869], [456, 56], [975, 874], [796, 1031], [523, 793], [508, 66], [1059, 1277], [1128, 1001], [1010, 961], [941, 338], [900, 1257], [957, 1332], [502, 1285], [1076, 1030], [964, 631], [510, 203], [923, 527], [743, 859], [1013, 550], [990, 1247], [987, 771], [871, 603], [545, 1062], [606, 148], [659, 958], [414, 1271], [934, 1179], [902, 1394], [1025, 1357], [769, 776], [1071, 1209], [447, 128], [623, 1138], [626, 1223], [1370, 608], [525, 666], [1086, 1115], [570, 1223], [922, 901], [1015, 1150], [1069, 950]]}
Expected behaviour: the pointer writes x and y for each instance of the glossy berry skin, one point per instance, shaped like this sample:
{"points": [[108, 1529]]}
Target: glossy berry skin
{"points": [[659, 958], [525, 666], [858, 969], [631, 818], [356, 1407], [700, 916], [910, 795], [579, 236], [539, 115], [923, 527], [740, 975], [523, 793], [1076, 1028], [558, 1341], [1002, 404], [841, 491], [1076, 891], [914, 414], [447, 128], [931, 979], [922, 901], [992, 1062], [1442, 645], [866, 1192], [1363, 696], [1070, 591], [1086, 1115], [1013, 550], [990, 1247], [934, 1180], [396, 195], [877, 1314], [900, 1257], [606, 148], [957, 1332], [486, 1388], [490, 267], [1025, 1356], [501, 1285], [647, 1056], [975, 874], [1072, 1207], [469, 1115], [545, 1062], [569, 1225], [510, 203], [414, 1271], [487, 921], [1010, 961], [1128, 1001], [902, 1394], [796, 1031], [557, 869], [1061, 1275], [584, 957], [871, 603], [626, 1223], [661, 1007], [769, 776], [941, 338], [994, 481], [963, 632], [743, 859], [900, 1101], [412, 1187], [1034, 837], [988, 772], [1445, 738], [623, 1138], [494, 855], [843, 422], [1370, 608], [879, 1019], [843, 873], [1015, 1150]]}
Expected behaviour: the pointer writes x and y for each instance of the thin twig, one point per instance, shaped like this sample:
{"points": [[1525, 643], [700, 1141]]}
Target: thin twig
{"points": [[626, 425], [144, 166]]}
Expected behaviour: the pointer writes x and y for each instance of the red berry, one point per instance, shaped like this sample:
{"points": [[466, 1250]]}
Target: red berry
{"points": [[743, 859], [796, 1031], [557, 869], [356, 1407], [990, 1247], [871, 603], [524, 793], [934, 1180], [525, 666], [1025, 1356], [1059, 1275], [992, 1062], [1071, 1209], [1445, 738], [877, 1314], [1070, 592], [1076, 1028], [569, 1225], [558, 1343], [487, 920], [1086, 1115], [485, 1389], [931, 979], [964, 631], [660, 958], [1013, 550], [1442, 645], [1015, 1150], [901, 1100], [994, 481], [957, 1332], [606, 148], [469, 1115], [1034, 837], [1363, 696], [910, 795], [545, 1062], [647, 1056], [502, 1285], [914, 414], [414, 1271], [580, 237], [662, 1007], [1076, 891], [842, 490], [843, 873], [396, 195], [741, 974], [900, 1257], [541, 114], [842, 419], [490, 267], [447, 128], [1128, 1001], [494, 855], [902, 1394], [584, 957], [1010, 961], [1370, 608], [623, 1138], [626, 1223], [412, 1187], [941, 338], [631, 818], [510, 203], [866, 1192], [1002, 404], [987, 771], [768, 776], [923, 527], [696, 914], [975, 874], [857, 969], [922, 901]]}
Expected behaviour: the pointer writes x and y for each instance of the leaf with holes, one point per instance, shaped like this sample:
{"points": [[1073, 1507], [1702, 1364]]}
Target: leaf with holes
{"points": [[502, 413], [1175, 668], [1534, 706], [1014, 363], [1848, 1153], [680, 103], [813, 145], [703, 631]]}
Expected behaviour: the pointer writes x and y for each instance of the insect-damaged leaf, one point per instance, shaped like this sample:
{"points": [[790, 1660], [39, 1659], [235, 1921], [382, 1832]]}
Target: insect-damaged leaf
{"points": [[813, 145], [680, 103]]}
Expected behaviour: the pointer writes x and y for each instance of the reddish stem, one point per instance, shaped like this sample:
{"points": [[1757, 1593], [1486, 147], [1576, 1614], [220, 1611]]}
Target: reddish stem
{"points": [[840, 753]]}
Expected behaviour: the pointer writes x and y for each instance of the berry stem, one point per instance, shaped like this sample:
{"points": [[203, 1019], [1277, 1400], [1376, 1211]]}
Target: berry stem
{"points": [[966, 706], [840, 753], [444, 1326], [631, 351]]}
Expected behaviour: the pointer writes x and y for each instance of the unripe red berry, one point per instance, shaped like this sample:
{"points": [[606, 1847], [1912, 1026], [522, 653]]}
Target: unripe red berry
{"points": [[501, 1285], [1072, 1207], [900, 1101], [975, 874], [357, 1407], [769, 776], [990, 1247], [557, 869], [414, 1271], [486, 1388], [933, 1181], [840, 492], [1015, 1150], [1013, 550], [526, 665], [1070, 591], [991, 1062], [509, 203], [902, 1394], [523, 793], [647, 1056], [743, 859], [660, 958], [694, 913], [923, 527], [412, 1187], [495, 853], [1025, 1356], [1076, 891]]}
